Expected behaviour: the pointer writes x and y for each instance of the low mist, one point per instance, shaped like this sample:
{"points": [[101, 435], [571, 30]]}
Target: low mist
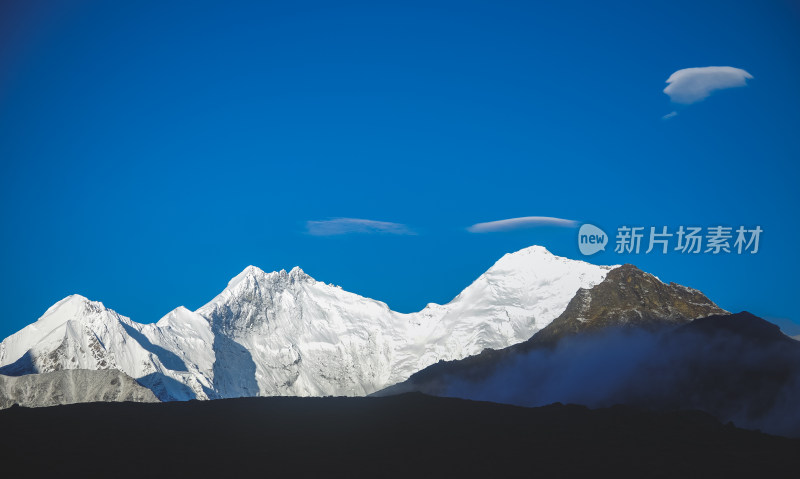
{"points": [[754, 384]]}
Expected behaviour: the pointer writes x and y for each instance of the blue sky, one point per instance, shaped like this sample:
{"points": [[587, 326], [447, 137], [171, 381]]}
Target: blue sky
{"points": [[152, 150]]}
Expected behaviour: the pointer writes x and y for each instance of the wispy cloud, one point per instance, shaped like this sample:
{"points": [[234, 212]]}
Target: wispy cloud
{"points": [[691, 85], [669, 115], [341, 226], [519, 223]]}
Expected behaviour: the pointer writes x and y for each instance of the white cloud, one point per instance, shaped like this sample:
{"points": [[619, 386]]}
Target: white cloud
{"points": [[669, 115], [518, 223], [341, 226], [691, 85]]}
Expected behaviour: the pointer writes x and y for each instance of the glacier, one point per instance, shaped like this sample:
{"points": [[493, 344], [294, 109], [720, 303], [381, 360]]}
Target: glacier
{"points": [[287, 334]]}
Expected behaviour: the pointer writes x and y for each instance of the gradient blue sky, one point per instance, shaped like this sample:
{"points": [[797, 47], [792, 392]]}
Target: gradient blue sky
{"points": [[152, 150]]}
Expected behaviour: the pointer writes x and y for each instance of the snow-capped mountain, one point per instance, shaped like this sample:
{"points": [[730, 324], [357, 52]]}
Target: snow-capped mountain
{"points": [[284, 333], [627, 299], [76, 333]]}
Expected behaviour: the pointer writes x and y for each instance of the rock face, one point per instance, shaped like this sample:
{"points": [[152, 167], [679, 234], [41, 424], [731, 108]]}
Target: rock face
{"points": [[71, 386], [628, 297], [287, 334]]}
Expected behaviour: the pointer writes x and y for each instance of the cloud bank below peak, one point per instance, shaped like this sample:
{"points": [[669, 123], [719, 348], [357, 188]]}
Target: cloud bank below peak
{"points": [[690, 85], [520, 223], [342, 226]]}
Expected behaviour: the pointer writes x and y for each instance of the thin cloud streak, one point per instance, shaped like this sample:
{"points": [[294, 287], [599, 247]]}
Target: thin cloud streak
{"points": [[519, 223], [342, 226]]}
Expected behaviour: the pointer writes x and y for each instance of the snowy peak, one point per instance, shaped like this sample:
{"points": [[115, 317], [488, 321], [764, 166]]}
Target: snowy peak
{"points": [[77, 333], [249, 274], [254, 277], [180, 317], [254, 272], [514, 299], [252, 297], [55, 330], [73, 306], [536, 261], [298, 273], [534, 251], [525, 290]]}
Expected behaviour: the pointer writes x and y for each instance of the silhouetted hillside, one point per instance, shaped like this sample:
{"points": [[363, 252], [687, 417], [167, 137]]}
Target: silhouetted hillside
{"points": [[407, 435]]}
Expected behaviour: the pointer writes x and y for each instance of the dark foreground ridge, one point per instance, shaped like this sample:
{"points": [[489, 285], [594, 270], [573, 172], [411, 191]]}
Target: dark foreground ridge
{"points": [[409, 434]]}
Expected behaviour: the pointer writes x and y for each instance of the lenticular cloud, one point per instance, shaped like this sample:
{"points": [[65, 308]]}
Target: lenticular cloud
{"points": [[340, 226], [518, 223], [691, 85]]}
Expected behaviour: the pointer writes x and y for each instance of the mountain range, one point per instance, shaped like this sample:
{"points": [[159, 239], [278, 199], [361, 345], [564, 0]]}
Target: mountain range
{"points": [[533, 330], [285, 333]]}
